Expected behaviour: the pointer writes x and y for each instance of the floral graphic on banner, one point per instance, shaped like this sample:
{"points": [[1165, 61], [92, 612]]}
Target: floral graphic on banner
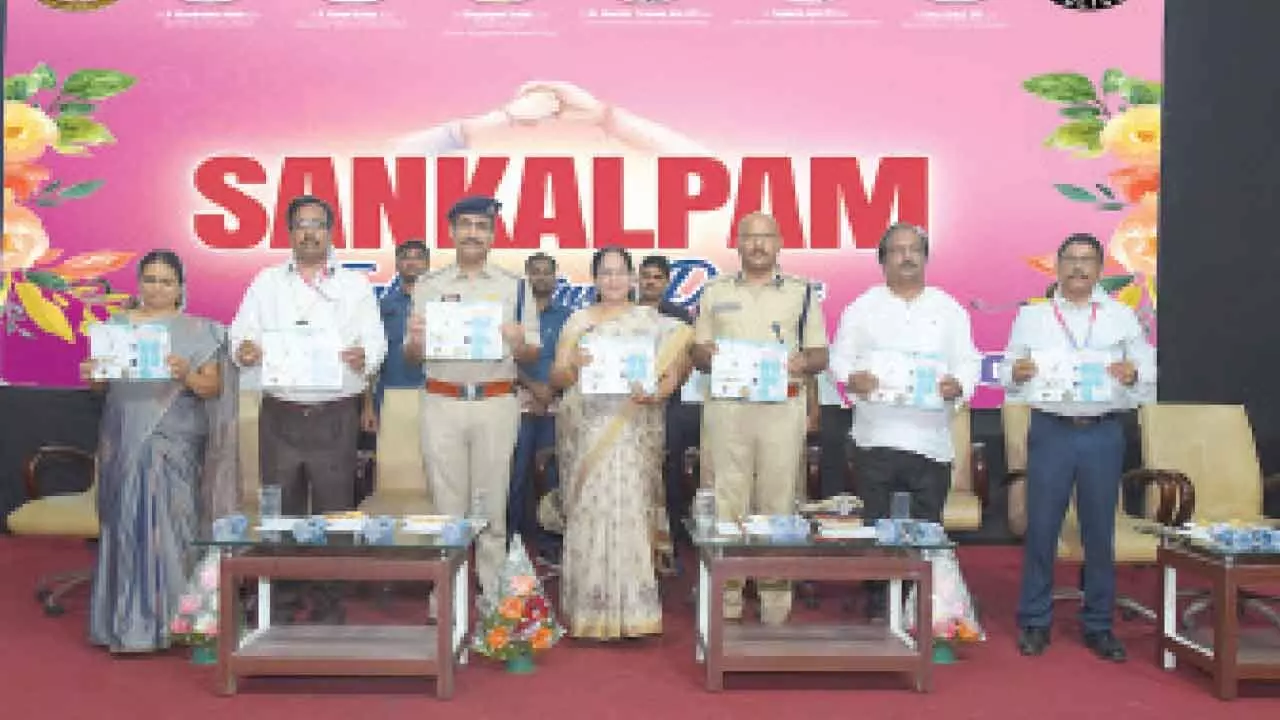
{"points": [[49, 301], [1117, 118]]}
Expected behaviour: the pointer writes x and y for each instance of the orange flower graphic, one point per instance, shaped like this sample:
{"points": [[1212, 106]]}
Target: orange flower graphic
{"points": [[25, 240], [1134, 242]]}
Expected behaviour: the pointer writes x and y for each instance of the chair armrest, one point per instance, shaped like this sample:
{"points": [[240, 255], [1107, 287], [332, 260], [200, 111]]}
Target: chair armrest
{"points": [[813, 468], [1016, 494], [31, 475], [979, 474], [1177, 494], [1271, 492]]}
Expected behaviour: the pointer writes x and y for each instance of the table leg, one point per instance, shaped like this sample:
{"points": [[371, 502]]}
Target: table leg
{"points": [[703, 610], [228, 623], [715, 633], [1226, 635], [461, 611], [446, 619], [1167, 618]]}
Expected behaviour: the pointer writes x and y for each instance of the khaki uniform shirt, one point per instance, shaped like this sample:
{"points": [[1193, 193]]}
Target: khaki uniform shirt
{"points": [[490, 284], [731, 309]]}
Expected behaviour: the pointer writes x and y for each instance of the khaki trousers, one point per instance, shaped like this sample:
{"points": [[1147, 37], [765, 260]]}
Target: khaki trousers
{"points": [[467, 447], [750, 452]]}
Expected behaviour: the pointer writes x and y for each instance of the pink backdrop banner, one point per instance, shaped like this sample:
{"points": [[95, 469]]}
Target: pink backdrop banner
{"points": [[1001, 125]]}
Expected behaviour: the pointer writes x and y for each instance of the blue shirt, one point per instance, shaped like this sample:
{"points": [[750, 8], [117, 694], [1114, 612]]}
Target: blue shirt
{"points": [[550, 322], [397, 372]]}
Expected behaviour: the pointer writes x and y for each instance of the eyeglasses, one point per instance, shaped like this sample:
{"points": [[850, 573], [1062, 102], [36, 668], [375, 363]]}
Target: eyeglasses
{"points": [[311, 225]]}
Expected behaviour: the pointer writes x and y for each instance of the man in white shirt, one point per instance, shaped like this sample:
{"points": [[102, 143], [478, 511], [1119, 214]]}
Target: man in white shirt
{"points": [[904, 447], [1075, 448], [307, 437]]}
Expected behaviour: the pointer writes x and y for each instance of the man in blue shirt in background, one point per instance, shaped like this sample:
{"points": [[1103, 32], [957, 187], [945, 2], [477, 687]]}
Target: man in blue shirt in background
{"points": [[412, 261], [537, 408]]}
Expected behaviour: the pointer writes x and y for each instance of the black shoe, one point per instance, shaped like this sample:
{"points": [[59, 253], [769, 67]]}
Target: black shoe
{"points": [[1033, 641], [1105, 645]]}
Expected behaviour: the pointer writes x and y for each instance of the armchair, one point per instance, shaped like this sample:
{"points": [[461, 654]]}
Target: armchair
{"points": [[1211, 449], [73, 515]]}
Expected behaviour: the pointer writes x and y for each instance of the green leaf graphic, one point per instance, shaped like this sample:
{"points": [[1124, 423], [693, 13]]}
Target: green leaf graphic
{"points": [[81, 190], [1075, 192], [1112, 81], [97, 84], [19, 87], [1106, 191], [44, 78], [76, 108], [1062, 87], [1085, 136], [1112, 283], [80, 130], [46, 279], [1112, 206], [1141, 92], [47, 202], [1080, 112]]}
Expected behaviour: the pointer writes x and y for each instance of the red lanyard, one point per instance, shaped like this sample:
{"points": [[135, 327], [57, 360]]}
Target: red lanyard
{"points": [[1062, 322]]}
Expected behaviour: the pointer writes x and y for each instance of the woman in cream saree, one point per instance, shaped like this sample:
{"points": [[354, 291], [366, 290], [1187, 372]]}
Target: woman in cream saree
{"points": [[610, 450]]}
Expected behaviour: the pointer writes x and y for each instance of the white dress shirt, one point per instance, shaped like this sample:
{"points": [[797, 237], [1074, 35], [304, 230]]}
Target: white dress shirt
{"points": [[933, 322], [342, 300], [1114, 328]]}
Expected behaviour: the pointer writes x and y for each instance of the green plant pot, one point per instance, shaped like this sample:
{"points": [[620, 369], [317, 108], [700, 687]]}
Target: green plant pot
{"points": [[521, 664], [204, 655], [944, 653]]}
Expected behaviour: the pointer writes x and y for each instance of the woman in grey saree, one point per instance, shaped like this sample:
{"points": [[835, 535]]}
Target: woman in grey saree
{"points": [[165, 466]]}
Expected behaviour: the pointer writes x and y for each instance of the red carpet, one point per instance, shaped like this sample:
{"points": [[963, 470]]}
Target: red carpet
{"points": [[49, 672]]}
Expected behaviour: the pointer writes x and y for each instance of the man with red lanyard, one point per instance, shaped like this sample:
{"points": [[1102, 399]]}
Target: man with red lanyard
{"points": [[1076, 440]]}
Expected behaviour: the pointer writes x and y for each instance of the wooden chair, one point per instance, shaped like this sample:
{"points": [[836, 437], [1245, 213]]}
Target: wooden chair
{"points": [[73, 515], [400, 480], [1212, 447]]}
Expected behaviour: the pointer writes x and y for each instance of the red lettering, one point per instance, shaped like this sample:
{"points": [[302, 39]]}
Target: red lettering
{"points": [[675, 202], [901, 179], [452, 184], [306, 176], [211, 181], [372, 193], [557, 176], [783, 206], [608, 208]]}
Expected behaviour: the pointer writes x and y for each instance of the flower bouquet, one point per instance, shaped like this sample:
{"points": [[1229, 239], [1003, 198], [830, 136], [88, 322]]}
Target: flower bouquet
{"points": [[955, 620], [196, 622], [518, 622]]}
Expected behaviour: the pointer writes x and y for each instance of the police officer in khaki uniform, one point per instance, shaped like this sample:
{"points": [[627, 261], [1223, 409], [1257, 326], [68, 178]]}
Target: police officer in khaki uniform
{"points": [[751, 449], [470, 414]]}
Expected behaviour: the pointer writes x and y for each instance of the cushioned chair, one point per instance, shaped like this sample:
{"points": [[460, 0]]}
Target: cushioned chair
{"points": [[250, 469], [1132, 547], [1213, 447], [968, 495], [400, 481], [72, 515]]}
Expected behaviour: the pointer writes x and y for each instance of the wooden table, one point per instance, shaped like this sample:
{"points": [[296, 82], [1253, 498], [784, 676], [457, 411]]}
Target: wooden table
{"points": [[748, 647], [344, 650], [1226, 651]]}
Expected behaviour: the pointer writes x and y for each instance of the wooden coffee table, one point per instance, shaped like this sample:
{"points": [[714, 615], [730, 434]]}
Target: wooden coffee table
{"points": [[344, 650], [750, 647], [1226, 651]]}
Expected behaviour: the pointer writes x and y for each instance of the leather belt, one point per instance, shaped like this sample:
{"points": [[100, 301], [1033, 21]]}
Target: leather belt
{"points": [[470, 391], [1080, 420]]}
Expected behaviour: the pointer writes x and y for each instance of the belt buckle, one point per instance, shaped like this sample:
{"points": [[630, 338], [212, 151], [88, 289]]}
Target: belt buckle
{"points": [[470, 391]]}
